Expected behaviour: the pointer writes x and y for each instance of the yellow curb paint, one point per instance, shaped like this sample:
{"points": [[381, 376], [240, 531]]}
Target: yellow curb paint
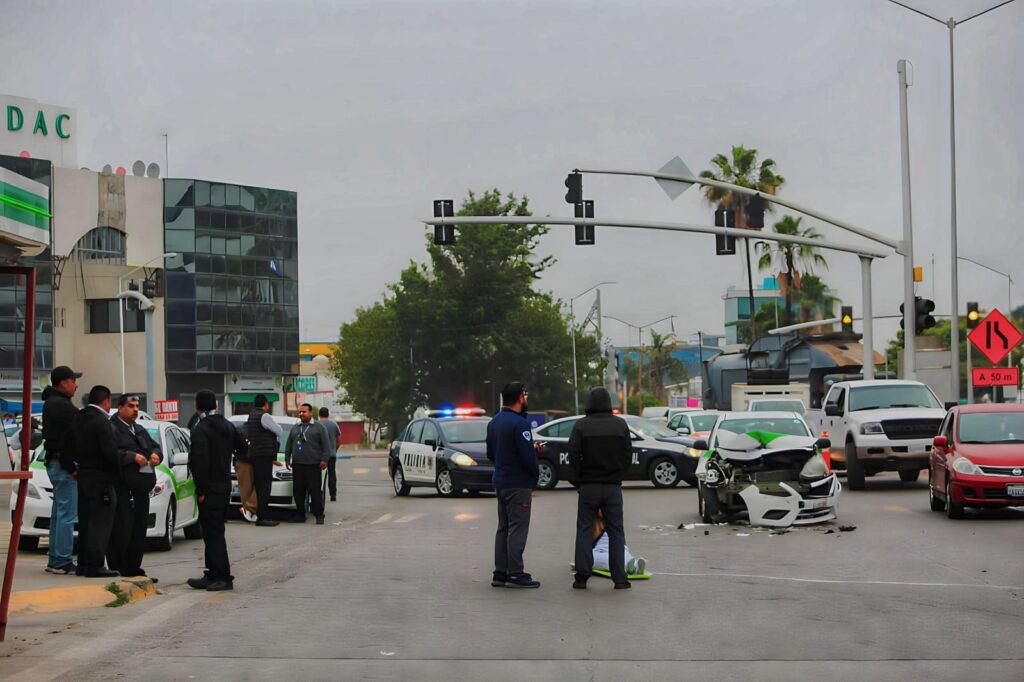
{"points": [[60, 599]]}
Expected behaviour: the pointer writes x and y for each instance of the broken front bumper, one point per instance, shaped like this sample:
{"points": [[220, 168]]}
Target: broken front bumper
{"points": [[819, 505]]}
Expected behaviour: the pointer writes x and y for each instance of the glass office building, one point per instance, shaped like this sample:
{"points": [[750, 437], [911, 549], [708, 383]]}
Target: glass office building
{"points": [[12, 295], [232, 292]]}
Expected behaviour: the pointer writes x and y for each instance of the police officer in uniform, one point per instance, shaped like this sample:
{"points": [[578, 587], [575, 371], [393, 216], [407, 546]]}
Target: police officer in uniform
{"points": [[139, 454]]}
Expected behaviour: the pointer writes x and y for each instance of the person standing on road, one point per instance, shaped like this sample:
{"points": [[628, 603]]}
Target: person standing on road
{"points": [[139, 454], [333, 436], [306, 454], [600, 450], [215, 441], [263, 434], [247, 488], [99, 469], [58, 413], [510, 447]]}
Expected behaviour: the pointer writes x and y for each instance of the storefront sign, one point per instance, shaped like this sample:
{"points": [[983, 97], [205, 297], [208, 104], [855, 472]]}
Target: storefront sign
{"points": [[303, 384], [252, 383], [166, 411], [44, 131]]}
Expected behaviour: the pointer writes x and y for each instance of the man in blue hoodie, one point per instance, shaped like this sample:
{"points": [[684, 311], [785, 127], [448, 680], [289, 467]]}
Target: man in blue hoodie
{"points": [[510, 447]]}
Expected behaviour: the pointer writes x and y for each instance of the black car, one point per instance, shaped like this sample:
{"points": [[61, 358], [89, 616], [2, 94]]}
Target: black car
{"points": [[448, 454], [658, 454]]}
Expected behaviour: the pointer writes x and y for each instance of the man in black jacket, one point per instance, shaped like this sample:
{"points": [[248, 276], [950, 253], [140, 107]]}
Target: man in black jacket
{"points": [[263, 434], [600, 450], [215, 441], [99, 468], [138, 454], [58, 413]]}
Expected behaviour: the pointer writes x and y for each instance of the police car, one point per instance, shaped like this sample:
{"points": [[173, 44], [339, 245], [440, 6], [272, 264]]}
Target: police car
{"points": [[658, 454], [172, 502], [446, 450]]}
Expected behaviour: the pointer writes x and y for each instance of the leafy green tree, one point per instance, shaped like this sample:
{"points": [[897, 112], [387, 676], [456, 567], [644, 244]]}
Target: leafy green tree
{"points": [[455, 329], [768, 316], [790, 260], [814, 299], [661, 367]]}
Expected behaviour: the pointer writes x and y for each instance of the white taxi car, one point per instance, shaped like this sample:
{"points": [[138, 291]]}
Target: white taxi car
{"points": [[172, 502]]}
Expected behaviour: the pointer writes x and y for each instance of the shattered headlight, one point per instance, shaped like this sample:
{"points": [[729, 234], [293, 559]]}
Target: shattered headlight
{"points": [[814, 468], [33, 491]]}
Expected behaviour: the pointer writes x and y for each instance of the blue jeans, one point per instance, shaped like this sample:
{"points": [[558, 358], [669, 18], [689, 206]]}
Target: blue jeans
{"points": [[63, 515]]}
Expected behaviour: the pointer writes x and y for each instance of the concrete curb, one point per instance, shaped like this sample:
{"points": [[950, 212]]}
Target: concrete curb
{"points": [[56, 599]]}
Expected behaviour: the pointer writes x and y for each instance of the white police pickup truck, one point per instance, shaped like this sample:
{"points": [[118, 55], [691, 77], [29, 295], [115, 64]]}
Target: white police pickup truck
{"points": [[880, 425]]}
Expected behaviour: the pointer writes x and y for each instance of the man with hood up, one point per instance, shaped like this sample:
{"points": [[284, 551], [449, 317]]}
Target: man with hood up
{"points": [[600, 451]]}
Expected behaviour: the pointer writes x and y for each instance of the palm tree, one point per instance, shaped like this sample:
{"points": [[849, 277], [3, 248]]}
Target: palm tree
{"points": [[790, 258], [813, 298], [743, 170], [660, 357]]}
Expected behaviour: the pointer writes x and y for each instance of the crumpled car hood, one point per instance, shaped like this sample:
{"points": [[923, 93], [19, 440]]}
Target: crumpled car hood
{"points": [[747, 447]]}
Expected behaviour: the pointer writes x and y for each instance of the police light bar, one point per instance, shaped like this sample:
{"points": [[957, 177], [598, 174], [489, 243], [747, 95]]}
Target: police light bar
{"points": [[457, 412]]}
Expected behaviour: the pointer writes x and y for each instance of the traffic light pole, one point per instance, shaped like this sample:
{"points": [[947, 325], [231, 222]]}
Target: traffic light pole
{"points": [[867, 327], [861, 251], [907, 245]]}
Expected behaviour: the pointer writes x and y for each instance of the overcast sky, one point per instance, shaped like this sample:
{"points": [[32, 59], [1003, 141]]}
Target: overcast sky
{"points": [[371, 110]]}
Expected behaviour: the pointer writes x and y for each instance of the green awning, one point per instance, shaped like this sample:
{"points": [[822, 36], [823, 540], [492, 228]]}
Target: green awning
{"points": [[249, 397]]}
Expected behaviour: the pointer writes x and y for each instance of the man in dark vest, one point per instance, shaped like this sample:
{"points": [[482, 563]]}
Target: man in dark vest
{"points": [[139, 454], [263, 434]]}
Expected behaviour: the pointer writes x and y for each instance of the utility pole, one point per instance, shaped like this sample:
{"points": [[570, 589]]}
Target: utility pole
{"points": [[907, 245]]}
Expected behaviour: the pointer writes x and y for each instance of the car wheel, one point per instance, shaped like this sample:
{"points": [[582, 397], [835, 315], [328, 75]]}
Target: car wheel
{"points": [[443, 483], [909, 475], [664, 473], [702, 508], [854, 469], [166, 542], [398, 479], [953, 510], [28, 543], [548, 477], [933, 501]]}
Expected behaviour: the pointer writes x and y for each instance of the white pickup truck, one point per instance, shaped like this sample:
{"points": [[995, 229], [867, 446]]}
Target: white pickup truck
{"points": [[881, 425]]}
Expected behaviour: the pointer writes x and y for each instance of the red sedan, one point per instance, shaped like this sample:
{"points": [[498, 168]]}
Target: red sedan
{"points": [[978, 459]]}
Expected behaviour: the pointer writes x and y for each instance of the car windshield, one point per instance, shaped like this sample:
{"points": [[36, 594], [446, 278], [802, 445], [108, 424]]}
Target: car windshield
{"points": [[154, 433], [469, 431], [992, 427], [789, 426], [704, 422], [648, 429], [778, 406], [895, 395]]}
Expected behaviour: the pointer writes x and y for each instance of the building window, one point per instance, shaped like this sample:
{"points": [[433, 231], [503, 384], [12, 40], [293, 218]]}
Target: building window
{"points": [[103, 318], [101, 243]]}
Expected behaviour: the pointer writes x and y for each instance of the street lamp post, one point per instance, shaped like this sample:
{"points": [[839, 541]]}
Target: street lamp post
{"points": [[120, 314], [954, 329], [572, 329], [640, 358]]}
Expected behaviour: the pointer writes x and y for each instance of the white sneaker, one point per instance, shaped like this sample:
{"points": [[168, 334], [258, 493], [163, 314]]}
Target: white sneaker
{"points": [[248, 515]]}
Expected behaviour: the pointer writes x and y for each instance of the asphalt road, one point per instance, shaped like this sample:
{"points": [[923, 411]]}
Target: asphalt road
{"points": [[399, 588]]}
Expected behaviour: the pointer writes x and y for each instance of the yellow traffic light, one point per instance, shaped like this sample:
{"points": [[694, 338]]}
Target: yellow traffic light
{"points": [[847, 319]]}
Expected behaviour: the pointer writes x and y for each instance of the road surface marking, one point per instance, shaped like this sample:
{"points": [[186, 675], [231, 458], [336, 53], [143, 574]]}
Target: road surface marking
{"points": [[360, 470], [466, 517], [384, 470], [894, 508], [840, 582], [386, 517], [408, 517]]}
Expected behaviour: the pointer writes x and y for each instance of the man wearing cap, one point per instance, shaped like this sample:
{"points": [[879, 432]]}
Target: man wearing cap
{"points": [[138, 454], [510, 447], [58, 413]]}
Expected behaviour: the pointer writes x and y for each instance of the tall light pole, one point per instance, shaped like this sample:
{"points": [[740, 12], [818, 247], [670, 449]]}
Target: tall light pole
{"points": [[954, 328], [120, 312], [572, 330]]}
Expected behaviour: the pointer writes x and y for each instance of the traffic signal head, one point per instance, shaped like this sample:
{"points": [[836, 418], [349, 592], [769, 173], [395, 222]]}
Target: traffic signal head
{"points": [[846, 318], [973, 315], [585, 233], [444, 235], [574, 183], [755, 212], [923, 308], [149, 288], [724, 244]]}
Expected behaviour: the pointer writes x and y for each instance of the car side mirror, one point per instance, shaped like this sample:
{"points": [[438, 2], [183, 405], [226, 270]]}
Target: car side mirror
{"points": [[700, 444], [940, 442], [823, 443], [179, 459], [430, 443], [833, 410], [683, 431]]}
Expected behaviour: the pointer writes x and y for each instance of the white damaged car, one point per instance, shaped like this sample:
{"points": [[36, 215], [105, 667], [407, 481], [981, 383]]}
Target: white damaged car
{"points": [[768, 466]]}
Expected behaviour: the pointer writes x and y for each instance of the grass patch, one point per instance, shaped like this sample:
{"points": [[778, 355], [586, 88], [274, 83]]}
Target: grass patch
{"points": [[121, 598]]}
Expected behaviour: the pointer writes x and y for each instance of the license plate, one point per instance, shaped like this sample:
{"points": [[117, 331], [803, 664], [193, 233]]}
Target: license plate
{"points": [[818, 504], [1015, 491]]}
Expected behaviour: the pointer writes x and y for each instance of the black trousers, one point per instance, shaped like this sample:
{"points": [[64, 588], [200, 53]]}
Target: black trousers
{"points": [[131, 521], [97, 505], [211, 518], [332, 476], [306, 481], [608, 498], [263, 479], [514, 506]]}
